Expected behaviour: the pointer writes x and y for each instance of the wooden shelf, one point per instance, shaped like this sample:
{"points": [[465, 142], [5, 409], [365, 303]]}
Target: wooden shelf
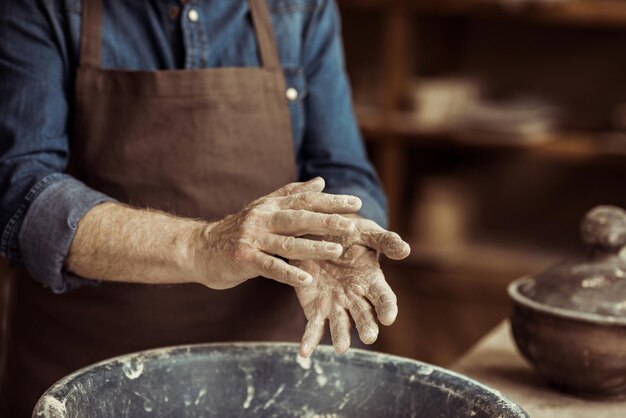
{"points": [[579, 12], [402, 127]]}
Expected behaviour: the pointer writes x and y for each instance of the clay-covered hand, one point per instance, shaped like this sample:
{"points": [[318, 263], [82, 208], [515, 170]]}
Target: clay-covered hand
{"points": [[351, 286], [245, 245]]}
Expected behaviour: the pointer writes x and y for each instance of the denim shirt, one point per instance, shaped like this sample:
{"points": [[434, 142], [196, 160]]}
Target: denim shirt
{"points": [[40, 205]]}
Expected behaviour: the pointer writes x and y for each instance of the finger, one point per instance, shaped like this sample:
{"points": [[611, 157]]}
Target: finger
{"points": [[363, 316], [322, 202], [340, 330], [314, 185], [299, 248], [313, 334], [387, 242], [302, 222], [384, 300], [276, 269]]}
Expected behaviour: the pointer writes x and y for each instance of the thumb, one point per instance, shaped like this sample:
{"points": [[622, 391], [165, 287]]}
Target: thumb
{"points": [[388, 243]]}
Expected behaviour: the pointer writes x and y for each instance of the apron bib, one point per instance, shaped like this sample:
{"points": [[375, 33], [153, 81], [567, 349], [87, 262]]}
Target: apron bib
{"points": [[195, 143]]}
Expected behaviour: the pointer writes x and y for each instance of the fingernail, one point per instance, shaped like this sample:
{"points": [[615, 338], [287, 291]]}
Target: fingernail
{"points": [[333, 247], [342, 346], [352, 200], [317, 181], [370, 335], [402, 250]]}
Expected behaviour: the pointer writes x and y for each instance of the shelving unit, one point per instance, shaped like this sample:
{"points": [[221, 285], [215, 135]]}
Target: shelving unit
{"points": [[402, 127], [390, 129], [454, 293]]}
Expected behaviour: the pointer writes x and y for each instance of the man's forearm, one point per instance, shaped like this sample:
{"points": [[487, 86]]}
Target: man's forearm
{"points": [[114, 242], [117, 243]]}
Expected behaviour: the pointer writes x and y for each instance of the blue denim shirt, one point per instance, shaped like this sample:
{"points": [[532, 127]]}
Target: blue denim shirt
{"points": [[40, 205]]}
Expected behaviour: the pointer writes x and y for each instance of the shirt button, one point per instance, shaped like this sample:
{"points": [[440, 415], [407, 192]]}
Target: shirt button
{"points": [[193, 15], [291, 94]]}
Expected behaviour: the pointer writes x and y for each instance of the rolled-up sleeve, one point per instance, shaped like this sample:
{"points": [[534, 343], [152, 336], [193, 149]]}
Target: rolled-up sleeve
{"points": [[333, 147], [48, 229], [39, 205]]}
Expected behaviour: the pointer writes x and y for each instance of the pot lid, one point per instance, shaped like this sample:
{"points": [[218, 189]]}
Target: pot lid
{"points": [[595, 284]]}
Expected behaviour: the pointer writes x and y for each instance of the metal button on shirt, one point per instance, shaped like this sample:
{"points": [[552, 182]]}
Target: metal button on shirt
{"points": [[193, 15], [291, 94]]}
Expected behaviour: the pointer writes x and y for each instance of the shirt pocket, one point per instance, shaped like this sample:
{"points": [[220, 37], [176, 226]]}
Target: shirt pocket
{"points": [[296, 92]]}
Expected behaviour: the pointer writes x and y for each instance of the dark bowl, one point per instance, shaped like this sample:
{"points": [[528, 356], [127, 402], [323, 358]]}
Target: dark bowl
{"points": [[581, 353], [268, 380]]}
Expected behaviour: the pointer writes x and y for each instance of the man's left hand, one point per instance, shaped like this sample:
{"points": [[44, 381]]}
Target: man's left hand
{"points": [[352, 286]]}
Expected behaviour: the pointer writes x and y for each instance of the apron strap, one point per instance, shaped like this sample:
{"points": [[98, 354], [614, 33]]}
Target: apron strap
{"points": [[261, 18], [91, 38]]}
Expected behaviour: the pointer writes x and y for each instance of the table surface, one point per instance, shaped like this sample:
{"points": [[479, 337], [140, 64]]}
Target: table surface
{"points": [[496, 362]]}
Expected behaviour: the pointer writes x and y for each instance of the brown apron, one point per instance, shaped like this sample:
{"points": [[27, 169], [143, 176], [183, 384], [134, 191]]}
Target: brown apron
{"points": [[196, 143]]}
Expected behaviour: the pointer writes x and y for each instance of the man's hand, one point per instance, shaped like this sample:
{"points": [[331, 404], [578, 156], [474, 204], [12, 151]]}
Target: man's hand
{"points": [[351, 286], [117, 243], [244, 245]]}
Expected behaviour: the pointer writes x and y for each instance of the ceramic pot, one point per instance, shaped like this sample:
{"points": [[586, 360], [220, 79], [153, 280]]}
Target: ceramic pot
{"points": [[570, 321]]}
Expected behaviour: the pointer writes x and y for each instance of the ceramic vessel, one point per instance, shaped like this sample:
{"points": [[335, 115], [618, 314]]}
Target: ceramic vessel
{"points": [[570, 321], [269, 380]]}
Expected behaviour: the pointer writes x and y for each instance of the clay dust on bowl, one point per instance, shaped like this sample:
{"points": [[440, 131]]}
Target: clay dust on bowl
{"points": [[268, 380]]}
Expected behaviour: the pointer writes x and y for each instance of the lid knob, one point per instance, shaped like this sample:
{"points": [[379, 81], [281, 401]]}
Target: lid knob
{"points": [[604, 228]]}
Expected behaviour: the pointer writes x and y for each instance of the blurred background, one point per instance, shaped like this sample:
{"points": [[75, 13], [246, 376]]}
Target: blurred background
{"points": [[495, 125]]}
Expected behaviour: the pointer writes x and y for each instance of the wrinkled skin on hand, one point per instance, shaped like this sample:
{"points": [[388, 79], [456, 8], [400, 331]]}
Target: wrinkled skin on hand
{"points": [[351, 286], [244, 245]]}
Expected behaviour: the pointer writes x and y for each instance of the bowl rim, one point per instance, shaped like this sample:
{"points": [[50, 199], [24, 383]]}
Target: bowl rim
{"points": [[519, 298], [56, 388]]}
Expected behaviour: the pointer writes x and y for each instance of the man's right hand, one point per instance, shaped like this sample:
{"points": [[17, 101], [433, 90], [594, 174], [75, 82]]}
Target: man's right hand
{"points": [[114, 242], [245, 245]]}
